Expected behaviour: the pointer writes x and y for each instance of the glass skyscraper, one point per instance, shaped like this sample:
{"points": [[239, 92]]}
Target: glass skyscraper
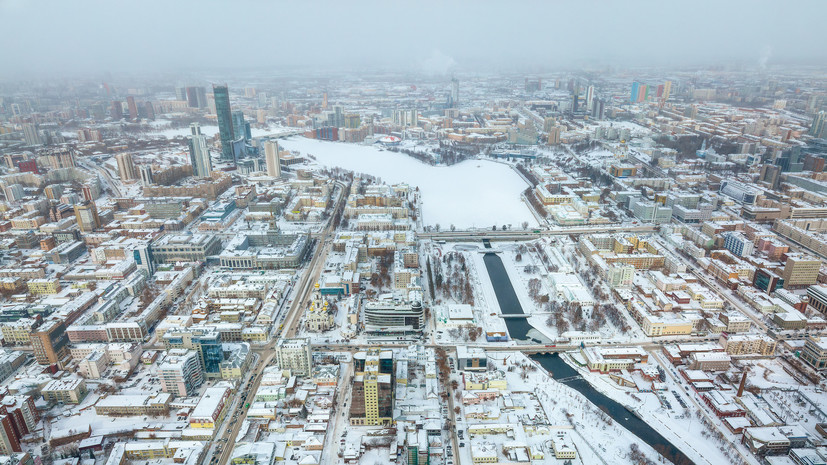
{"points": [[225, 121], [241, 128]]}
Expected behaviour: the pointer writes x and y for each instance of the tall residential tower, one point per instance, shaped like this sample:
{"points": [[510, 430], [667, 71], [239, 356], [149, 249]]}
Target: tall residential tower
{"points": [[199, 152], [271, 158]]}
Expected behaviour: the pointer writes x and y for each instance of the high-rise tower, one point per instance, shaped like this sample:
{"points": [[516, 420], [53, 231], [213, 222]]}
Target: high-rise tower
{"points": [[271, 158], [199, 152], [454, 92], [126, 167], [225, 121]]}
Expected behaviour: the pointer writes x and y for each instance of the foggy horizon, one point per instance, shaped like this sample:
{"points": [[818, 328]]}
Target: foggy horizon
{"points": [[431, 38]]}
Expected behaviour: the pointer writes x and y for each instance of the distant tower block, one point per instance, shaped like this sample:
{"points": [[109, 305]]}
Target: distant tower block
{"points": [[271, 158]]}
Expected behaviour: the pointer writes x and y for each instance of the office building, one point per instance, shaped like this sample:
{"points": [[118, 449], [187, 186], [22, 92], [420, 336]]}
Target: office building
{"points": [[738, 244], [50, 343], [739, 192], [144, 259], [471, 359], [205, 340], [589, 98], [388, 317], [199, 152], [180, 372], [294, 355], [185, 247], [800, 270], [815, 353], [817, 296], [210, 408], [225, 121], [623, 170], [372, 394], [271, 158], [650, 212], [620, 275], [771, 174], [766, 280], [126, 167], [241, 128], [87, 217]]}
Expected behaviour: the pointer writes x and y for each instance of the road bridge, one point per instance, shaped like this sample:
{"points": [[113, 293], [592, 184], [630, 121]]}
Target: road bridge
{"points": [[518, 235]]}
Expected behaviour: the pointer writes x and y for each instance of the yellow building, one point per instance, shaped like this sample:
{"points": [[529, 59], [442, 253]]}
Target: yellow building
{"points": [[373, 395], [800, 270], [484, 452], [747, 344], [150, 450], [563, 447], [43, 286], [661, 323], [486, 380], [254, 334], [17, 332]]}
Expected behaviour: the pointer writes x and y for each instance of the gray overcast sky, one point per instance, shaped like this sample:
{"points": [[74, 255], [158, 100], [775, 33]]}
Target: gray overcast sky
{"points": [[58, 36]]}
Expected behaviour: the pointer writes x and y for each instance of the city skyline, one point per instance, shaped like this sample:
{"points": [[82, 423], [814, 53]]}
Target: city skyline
{"points": [[330, 233], [640, 33]]}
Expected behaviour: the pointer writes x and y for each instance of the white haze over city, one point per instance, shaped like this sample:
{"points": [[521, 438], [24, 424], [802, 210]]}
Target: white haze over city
{"points": [[471, 194]]}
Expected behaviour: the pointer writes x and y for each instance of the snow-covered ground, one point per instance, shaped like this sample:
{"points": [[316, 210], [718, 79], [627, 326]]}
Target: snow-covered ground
{"points": [[596, 438], [474, 193], [681, 428]]}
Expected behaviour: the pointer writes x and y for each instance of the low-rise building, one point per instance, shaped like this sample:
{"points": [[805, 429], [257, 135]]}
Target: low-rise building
{"points": [[210, 408], [747, 344], [67, 391], [138, 404], [709, 361]]}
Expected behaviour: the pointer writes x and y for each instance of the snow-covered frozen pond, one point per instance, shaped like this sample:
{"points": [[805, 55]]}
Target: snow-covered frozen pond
{"points": [[474, 193]]}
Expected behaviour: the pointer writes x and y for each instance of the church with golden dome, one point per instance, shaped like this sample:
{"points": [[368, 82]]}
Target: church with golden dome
{"points": [[319, 317]]}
